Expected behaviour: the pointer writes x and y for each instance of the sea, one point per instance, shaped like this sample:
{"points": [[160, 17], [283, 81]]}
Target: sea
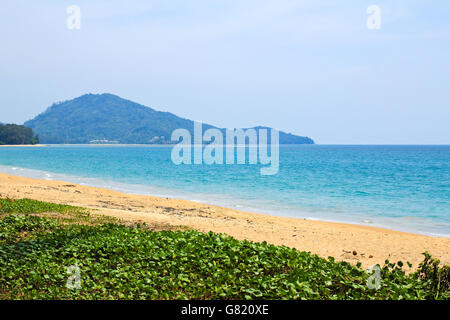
{"points": [[405, 188]]}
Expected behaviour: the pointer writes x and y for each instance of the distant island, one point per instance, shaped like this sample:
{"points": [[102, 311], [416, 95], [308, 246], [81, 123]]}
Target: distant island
{"points": [[107, 118], [13, 134]]}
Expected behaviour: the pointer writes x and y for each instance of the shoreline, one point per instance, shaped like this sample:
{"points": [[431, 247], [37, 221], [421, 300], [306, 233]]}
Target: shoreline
{"points": [[345, 242], [22, 145], [206, 199]]}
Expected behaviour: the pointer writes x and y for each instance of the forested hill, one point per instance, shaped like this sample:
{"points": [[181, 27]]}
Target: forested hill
{"points": [[13, 134], [109, 118]]}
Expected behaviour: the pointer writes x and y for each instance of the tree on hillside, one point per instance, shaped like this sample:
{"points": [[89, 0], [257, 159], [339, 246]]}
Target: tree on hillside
{"points": [[17, 134]]}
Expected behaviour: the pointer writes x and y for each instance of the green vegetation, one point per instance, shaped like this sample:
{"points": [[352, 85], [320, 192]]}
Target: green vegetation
{"points": [[33, 206], [15, 134], [39, 241], [109, 117]]}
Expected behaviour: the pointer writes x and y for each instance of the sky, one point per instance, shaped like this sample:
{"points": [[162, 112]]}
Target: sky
{"points": [[308, 67]]}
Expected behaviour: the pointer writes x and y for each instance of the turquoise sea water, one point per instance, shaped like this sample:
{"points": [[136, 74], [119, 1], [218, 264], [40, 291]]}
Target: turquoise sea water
{"points": [[398, 187]]}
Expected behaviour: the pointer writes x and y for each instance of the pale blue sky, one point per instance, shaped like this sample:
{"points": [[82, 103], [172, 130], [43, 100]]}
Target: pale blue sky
{"points": [[307, 67]]}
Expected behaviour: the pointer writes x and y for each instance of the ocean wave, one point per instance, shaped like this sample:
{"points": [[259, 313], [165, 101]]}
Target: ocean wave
{"points": [[411, 224]]}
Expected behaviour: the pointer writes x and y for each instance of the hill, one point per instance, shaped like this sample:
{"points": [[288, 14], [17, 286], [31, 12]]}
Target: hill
{"points": [[13, 134], [109, 118]]}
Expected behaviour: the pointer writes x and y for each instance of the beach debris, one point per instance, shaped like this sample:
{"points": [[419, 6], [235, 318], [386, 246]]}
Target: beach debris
{"points": [[354, 253]]}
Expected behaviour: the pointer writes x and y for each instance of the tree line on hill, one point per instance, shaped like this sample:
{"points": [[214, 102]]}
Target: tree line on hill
{"points": [[13, 134], [107, 118]]}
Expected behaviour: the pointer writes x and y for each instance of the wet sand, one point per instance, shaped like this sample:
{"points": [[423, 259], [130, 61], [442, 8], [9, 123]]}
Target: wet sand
{"points": [[345, 242]]}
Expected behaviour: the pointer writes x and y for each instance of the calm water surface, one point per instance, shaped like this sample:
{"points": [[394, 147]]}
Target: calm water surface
{"points": [[399, 187]]}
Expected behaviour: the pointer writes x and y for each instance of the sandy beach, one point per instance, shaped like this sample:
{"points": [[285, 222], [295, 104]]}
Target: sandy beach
{"points": [[345, 242]]}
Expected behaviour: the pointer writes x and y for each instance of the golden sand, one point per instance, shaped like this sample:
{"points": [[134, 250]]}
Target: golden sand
{"points": [[347, 242]]}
